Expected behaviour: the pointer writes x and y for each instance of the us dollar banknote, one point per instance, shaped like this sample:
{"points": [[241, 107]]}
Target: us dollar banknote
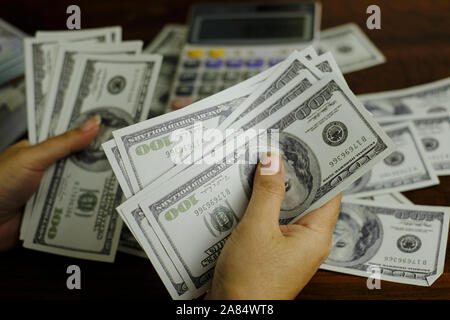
{"points": [[402, 243], [81, 190], [169, 43], [324, 121], [138, 238], [393, 197], [138, 144], [148, 143], [63, 73], [11, 52], [407, 168], [282, 75], [418, 100], [351, 48], [433, 130], [155, 251], [40, 55]]}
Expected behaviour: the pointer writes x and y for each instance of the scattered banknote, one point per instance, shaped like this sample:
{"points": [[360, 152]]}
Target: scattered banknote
{"points": [[73, 211], [407, 168], [169, 43], [351, 48], [402, 243], [414, 101], [11, 52], [393, 197], [434, 131]]}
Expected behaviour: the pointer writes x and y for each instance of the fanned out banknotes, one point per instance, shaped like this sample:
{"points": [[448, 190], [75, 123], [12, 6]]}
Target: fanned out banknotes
{"points": [[180, 214], [72, 76]]}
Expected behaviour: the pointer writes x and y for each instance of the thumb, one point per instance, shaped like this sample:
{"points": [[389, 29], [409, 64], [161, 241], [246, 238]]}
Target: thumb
{"points": [[268, 193], [44, 154]]}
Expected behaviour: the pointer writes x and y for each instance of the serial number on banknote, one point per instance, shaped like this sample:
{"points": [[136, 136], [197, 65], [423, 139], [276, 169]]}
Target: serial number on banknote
{"points": [[212, 202], [347, 152]]}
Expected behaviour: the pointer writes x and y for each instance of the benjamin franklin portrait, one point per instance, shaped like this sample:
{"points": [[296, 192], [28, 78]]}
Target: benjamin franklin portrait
{"points": [[357, 237], [301, 177], [92, 158]]}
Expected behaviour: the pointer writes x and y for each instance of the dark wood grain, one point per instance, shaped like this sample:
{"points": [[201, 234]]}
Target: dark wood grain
{"points": [[415, 38]]}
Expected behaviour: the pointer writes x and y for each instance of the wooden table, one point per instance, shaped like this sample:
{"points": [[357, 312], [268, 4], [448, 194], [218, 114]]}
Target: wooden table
{"points": [[414, 37]]}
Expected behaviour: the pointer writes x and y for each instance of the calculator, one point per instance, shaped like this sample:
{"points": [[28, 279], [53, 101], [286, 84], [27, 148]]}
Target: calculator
{"points": [[229, 43]]}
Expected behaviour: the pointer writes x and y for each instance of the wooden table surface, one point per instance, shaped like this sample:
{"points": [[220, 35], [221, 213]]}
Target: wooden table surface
{"points": [[414, 37]]}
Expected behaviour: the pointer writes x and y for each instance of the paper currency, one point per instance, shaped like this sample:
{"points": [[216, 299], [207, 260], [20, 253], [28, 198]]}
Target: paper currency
{"points": [[211, 199], [130, 139], [40, 55], [351, 48], [114, 33], [405, 169], [63, 73], [433, 130], [11, 52], [414, 101], [394, 198], [81, 190], [148, 143], [169, 43], [403, 243], [284, 73]]}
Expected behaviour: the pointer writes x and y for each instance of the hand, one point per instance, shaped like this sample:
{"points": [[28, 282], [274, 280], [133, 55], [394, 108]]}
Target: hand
{"points": [[263, 260], [22, 167]]}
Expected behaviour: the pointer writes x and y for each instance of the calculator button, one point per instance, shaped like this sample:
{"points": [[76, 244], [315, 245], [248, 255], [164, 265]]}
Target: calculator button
{"points": [[210, 76], [216, 63], [195, 53], [179, 103], [231, 76], [184, 90], [235, 63], [206, 90], [217, 53], [255, 63], [187, 77], [191, 64], [273, 62]]}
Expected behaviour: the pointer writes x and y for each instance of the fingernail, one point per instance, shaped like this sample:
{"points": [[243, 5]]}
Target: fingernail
{"points": [[91, 123], [270, 164], [265, 161]]}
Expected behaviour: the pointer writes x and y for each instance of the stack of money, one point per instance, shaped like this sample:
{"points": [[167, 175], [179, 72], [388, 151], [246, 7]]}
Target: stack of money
{"points": [[12, 90], [182, 212], [11, 52], [72, 76]]}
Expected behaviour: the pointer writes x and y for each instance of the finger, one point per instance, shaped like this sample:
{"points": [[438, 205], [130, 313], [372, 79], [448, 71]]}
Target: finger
{"points": [[48, 152], [324, 218], [268, 192]]}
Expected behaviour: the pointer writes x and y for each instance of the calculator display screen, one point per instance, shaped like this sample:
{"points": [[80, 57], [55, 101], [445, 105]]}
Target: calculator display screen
{"points": [[253, 29]]}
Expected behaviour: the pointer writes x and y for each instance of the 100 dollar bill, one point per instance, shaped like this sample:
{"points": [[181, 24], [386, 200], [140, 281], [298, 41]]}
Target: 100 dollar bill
{"points": [[404, 243], [320, 124], [74, 209], [405, 169]]}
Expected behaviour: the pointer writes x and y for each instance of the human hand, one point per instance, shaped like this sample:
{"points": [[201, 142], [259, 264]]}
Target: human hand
{"points": [[263, 260], [22, 167]]}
